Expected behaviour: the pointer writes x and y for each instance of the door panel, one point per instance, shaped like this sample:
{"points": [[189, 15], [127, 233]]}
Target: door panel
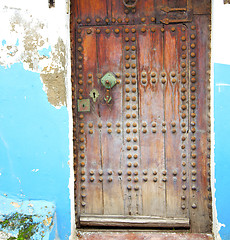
{"points": [[141, 135]]}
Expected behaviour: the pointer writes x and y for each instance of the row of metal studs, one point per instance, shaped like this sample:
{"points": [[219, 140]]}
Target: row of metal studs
{"points": [[193, 114], [100, 21], [209, 131], [131, 100], [184, 110], [81, 132]]}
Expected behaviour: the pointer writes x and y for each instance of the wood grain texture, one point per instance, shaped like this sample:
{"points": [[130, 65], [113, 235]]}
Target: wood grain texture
{"points": [[150, 49]]}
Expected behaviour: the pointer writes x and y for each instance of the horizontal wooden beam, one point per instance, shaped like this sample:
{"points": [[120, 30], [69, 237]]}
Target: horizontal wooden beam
{"points": [[135, 221]]}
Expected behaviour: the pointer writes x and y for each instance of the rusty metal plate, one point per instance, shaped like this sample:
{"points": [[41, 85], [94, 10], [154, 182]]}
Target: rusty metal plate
{"points": [[83, 105]]}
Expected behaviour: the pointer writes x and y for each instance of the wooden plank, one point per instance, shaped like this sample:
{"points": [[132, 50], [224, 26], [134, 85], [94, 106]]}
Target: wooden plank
{"points": [[131, 123], [92, 195], [91, 9], [200, 205], [173, 108], [121, 221], [109, 48], [150, 62], [202, 7]]}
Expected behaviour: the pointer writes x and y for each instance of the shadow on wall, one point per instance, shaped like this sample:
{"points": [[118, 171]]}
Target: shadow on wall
{"points": [[34, 145]]}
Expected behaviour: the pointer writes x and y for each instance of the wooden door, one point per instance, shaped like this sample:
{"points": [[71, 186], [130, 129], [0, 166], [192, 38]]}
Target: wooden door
{"points": [[141, 113]]}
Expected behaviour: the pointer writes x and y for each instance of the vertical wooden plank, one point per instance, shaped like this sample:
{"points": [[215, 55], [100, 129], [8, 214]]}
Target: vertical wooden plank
{"points": [[172, 120], [109, 47], [145, 8], [92, 9], [92, 195], [200, 186], [150, 59], [131, 123]]}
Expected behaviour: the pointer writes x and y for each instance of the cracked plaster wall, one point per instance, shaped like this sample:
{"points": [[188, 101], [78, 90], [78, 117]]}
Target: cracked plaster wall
{"points": [[29, 27], [34, 122]]}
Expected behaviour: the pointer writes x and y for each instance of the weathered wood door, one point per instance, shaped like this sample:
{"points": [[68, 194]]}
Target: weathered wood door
{"points": [[140, 88]]}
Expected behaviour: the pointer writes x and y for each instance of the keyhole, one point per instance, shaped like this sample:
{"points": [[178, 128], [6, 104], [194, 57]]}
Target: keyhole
{"points": [[94, 95], [83, 105]]}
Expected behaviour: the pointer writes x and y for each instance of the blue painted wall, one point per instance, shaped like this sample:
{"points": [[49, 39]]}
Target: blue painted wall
{"points": [[222, 145], [34, 145]]}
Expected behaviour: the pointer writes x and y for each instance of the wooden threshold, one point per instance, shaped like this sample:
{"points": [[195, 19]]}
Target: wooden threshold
{"points": [[135, 221]]}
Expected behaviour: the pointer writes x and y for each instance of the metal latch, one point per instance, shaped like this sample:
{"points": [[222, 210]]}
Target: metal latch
{"points": [[108, 81]]}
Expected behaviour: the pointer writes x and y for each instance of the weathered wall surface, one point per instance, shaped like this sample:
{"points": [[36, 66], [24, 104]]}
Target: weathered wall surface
{"points": [[34, 121]]}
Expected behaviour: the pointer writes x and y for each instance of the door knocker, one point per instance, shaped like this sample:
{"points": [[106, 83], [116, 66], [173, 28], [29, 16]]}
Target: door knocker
{"points": [[130, 3]]}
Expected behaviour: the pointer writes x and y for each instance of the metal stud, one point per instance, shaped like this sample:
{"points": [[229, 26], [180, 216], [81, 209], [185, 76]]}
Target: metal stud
{"points": [[193, 54], [194, 206]]}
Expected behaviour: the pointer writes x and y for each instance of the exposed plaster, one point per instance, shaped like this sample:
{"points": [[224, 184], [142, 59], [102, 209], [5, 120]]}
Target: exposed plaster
{"points": [[25, 34]]}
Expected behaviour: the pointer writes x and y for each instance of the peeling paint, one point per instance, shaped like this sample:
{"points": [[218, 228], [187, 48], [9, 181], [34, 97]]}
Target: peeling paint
{"points": [[25, 38]]}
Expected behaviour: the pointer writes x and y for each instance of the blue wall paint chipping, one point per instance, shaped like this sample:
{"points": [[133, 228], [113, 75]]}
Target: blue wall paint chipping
{"points": [[34, 145], [222, 145]]}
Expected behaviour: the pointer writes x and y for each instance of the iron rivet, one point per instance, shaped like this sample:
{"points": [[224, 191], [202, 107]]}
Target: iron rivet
{"points": [[107, 31], [174, 172], [164, 179], [143, 30], [183, 38], [193, 54], [194, 205], [127, 48], [173, 29], [119, 172], [129, 164], [109, 131], [126, 39], [129, 187], [155, 179], [193, 27], [128, 139], [162, 29], [133, 48], [184, 178], [110, 179], [184, 187], [193, 36], [116, 30], [135, 139], [113, 20], [193, 97], [153, 29]]}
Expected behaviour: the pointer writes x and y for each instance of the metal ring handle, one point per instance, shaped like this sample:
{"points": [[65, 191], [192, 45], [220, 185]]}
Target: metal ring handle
{"points": [[133, 5]]}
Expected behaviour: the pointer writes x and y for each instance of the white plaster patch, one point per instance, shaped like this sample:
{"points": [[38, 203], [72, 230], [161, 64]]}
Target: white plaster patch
{"points": [[29, 28], [35, 170], [15, 204]]}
